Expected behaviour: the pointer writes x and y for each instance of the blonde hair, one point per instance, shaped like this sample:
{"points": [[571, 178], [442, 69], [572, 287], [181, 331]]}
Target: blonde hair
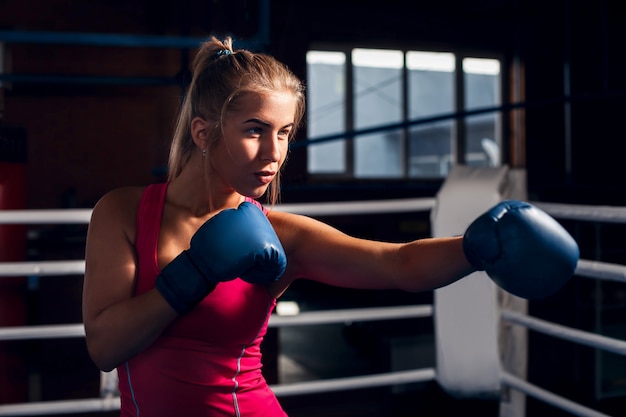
{"points": [[219, 76]]}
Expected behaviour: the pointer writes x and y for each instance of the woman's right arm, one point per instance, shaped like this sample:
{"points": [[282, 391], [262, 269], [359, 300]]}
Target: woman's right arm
{"points": [[118, 324]]}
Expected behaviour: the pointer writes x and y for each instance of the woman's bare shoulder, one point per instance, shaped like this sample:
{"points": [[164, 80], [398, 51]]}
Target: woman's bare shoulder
{"points": [[122, 197], [118, 206]]}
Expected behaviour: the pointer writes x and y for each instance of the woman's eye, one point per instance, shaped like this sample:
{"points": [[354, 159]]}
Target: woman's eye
{"points": [[255, 130]]}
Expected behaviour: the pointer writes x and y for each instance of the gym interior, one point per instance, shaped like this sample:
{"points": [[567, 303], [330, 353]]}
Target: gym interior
{"points": [[88, 96]]}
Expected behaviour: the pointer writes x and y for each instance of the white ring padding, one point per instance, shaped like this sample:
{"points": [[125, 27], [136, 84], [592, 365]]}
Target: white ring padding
{"points": [[356, 382], [10, 269], [608, 214], [358, 207], [601, 270], [53, 216], [61, 407], [44, 331], [351, 315], [548, 397], [573, 335], [466, 312]]}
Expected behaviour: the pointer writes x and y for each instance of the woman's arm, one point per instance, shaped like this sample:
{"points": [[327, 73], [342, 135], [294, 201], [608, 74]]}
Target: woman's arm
{"points": [[320, 252], [117, 324]]}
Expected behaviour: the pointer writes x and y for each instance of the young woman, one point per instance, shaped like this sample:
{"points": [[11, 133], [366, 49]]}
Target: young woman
{"points": [[181, 277]]}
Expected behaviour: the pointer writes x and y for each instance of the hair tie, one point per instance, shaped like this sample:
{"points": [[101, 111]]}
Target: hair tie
{"points": [[223, 52]]}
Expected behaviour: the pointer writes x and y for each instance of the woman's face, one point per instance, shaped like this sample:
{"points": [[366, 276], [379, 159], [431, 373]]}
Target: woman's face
{"points": [[255, 143]]}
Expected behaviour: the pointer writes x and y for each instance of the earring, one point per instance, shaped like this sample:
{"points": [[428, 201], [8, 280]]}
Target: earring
{"points": [[203, 153]]}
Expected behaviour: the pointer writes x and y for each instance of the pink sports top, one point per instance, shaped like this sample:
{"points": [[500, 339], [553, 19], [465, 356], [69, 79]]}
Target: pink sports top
{"points": [[207, 362]]}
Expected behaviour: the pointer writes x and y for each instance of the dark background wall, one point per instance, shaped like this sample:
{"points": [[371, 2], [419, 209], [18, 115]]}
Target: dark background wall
{"points": [[87, 137]]}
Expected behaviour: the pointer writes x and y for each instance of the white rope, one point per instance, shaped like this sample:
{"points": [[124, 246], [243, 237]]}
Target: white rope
{"points": [[304, 318], [583, 212], [349, 208], [10, 269], [573, 335], [586, 268], [351, 315], [564, 211], [601, 270], [61, 407], [356, 382], [53, 216], [548, 397], [281, 390], [44, 331], [82, 216]]}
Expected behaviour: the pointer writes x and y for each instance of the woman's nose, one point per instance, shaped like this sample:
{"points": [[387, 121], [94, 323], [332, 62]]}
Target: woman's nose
{"points": [[272, 149]]}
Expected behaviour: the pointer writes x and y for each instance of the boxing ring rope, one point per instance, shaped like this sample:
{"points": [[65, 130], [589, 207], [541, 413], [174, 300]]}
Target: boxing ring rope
{"points": [[550, 398], [585, 268], [578, 336]]}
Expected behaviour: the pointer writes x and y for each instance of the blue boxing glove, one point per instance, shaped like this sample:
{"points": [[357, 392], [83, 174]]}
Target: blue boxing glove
{"points": [[234, 243], [522, 249]]}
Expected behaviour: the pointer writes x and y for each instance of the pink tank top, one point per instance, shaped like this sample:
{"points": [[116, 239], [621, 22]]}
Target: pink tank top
{"points": [[207, 362]]}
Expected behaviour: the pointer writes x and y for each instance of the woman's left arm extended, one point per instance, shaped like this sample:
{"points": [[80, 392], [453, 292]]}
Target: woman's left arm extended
{"points": [[322, 253]]}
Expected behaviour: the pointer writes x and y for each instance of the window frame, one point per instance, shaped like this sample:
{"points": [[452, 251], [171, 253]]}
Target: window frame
{"points": [[458, 117]]}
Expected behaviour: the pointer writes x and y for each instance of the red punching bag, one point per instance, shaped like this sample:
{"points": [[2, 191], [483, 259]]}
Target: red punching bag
{"points": [[13, 290]]}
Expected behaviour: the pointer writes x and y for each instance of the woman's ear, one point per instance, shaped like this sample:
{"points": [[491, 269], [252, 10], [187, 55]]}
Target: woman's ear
{"points": [[200, 132]]}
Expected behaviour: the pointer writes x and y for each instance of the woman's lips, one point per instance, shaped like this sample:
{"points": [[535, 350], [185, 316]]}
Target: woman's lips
{"points": [[265, 177]]}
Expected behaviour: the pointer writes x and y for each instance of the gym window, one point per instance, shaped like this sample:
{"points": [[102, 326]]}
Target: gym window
{"points": [[390, 114]]}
